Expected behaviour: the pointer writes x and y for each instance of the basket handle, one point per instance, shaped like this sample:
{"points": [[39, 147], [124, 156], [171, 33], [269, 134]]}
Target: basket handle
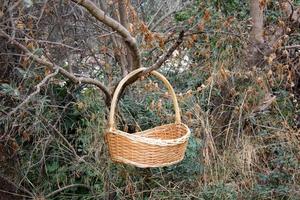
{"points": [[125, 79]]}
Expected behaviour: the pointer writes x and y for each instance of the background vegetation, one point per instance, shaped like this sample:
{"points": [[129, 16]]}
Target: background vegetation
{"points": [[239, 97]]}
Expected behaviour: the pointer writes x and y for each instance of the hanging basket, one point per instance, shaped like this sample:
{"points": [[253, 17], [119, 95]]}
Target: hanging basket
{"points": [[157, 147]]}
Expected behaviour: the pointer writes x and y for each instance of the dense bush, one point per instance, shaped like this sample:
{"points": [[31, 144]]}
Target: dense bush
{"points": [[244, 120]]}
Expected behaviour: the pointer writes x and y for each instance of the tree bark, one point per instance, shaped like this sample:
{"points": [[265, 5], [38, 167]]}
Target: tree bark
{"points": [[61, 70], [115, 25], [125, 23], [257, 15], [256, 34], [291, 11]]}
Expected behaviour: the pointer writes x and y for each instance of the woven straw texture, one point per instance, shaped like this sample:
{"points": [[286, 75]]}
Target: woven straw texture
{"points": [[157, 147]]}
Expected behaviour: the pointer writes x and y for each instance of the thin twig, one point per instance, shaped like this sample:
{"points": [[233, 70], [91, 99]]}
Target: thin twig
{"points": [[101, 16], [38, 89], [62, 71], [167, 55], [154, 16], [11, 17], [61, 136], [16, 186], [65, 188], [50, 42], [15, 194], [291, 47], [157, 64]]}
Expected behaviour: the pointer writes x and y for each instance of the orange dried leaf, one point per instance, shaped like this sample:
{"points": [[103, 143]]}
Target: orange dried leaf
{"points": [[148, 37], [30, 46], [206, 16], [224, 72], [262, 4], [20, 25], [143, 28]]}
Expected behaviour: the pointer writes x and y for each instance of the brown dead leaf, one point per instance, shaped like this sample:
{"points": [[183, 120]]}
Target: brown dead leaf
{"points": [[20, 25], [224, 73], [148, 37], [30, 46], [25, 136], [159, 105], [80, 105], [143, 28], [262, 4], [152, 105], [207, 15], [14, 145], [271, 58]]}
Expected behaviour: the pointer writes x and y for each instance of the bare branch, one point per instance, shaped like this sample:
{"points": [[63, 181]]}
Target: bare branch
{"points": [[291, 11], [62, 71], [107, 20], [167, 55], [291, 47], [53, 43], [159, 21], [61, 136], [158, 63], [66, 187], [125, 23], [38, 89], [154, 16], [257, 15]]}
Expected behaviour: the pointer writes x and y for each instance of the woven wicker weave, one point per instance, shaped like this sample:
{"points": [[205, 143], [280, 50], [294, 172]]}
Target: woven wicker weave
{"points": [[160, 146]]}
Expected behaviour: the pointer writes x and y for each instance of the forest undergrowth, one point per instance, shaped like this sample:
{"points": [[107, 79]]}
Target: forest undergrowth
{"points": [[245, 121]]}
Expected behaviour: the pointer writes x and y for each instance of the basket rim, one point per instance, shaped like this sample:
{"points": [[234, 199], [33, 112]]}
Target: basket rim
{"points": [[141, 136]]}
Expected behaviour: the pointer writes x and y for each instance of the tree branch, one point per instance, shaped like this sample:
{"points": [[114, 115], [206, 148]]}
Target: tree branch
{"points": [[167, 55], [65, 188], [157, 64], [296, 46], [107, 20], [38, 89], [62, 71], [257, 15], [124, 21]]}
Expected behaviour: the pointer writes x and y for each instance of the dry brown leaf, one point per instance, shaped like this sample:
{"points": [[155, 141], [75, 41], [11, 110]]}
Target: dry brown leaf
{"points": [[271, 58], [80, 105], [159, 105], [224, 73], [152, 105], [30, 46], [20, 25], [206, 15], [262, 4], [25, 136]]}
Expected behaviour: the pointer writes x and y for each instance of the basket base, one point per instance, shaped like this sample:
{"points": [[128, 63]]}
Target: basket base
{"points": [[157, 147], [140, 165]]}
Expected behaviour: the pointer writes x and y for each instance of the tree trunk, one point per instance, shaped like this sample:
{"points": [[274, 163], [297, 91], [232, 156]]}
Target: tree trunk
{"points": [[125, 23], [256, 35]]}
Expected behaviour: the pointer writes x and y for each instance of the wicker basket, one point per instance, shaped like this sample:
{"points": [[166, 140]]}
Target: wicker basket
{"points": [[160, 146]]}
